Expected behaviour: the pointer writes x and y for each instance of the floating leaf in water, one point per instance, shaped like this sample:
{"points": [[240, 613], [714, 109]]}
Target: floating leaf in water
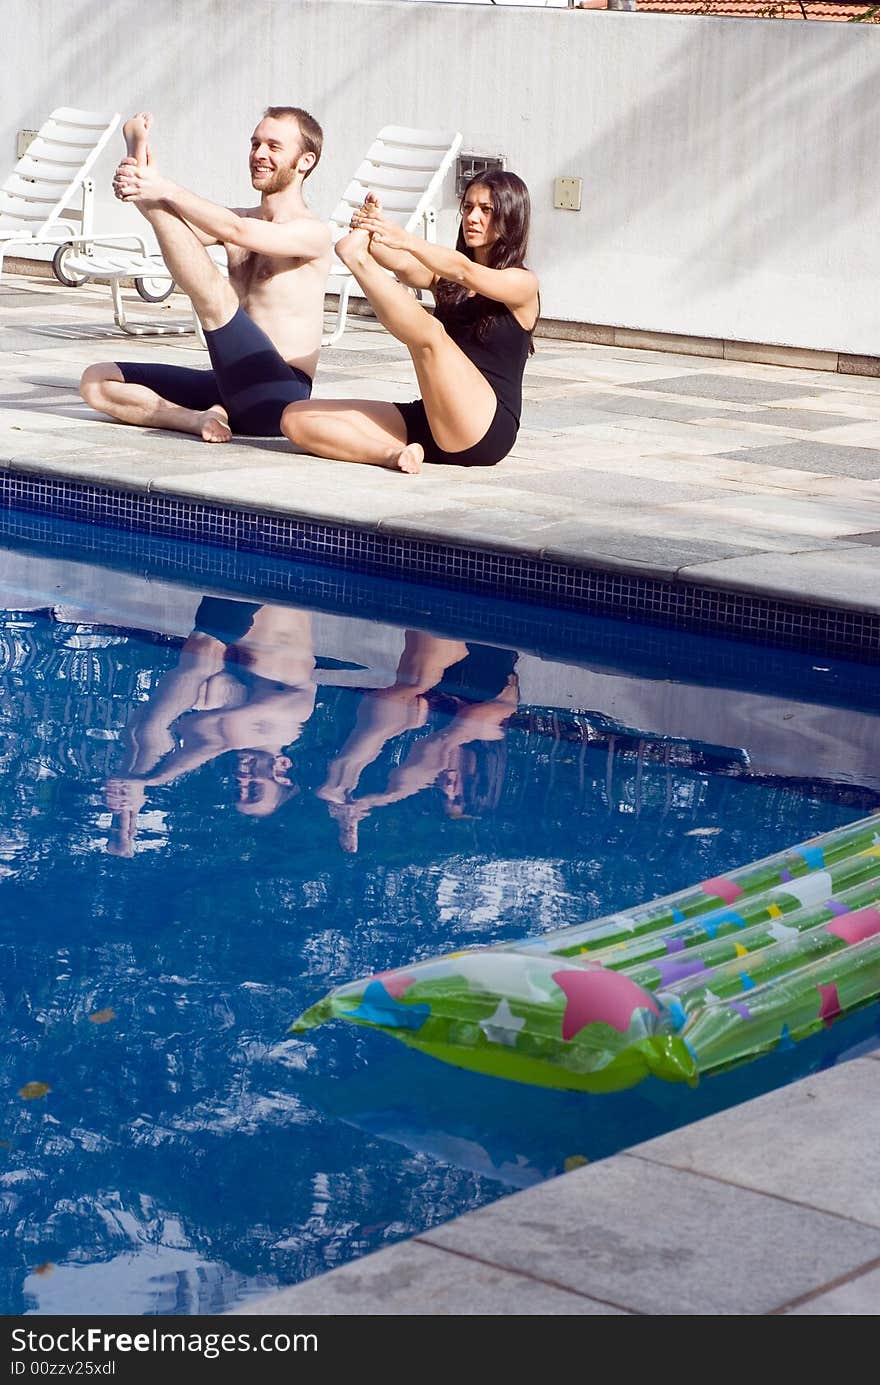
{"points": [[575, 1161], [702, 832], [31, 1090], [102, 1016]]}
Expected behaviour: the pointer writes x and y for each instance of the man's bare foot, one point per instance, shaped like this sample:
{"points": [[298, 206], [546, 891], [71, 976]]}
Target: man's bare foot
{"points": [[125, 795], [214, 426], [330, 795], [353, 247], [135, 132], [410, 459], [348, 816]]}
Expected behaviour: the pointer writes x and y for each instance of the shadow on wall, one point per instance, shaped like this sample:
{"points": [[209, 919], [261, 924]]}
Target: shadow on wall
{"points": [[757, 93]]}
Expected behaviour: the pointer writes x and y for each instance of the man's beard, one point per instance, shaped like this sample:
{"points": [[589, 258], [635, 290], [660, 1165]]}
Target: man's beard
{"points": [[280, 180]]}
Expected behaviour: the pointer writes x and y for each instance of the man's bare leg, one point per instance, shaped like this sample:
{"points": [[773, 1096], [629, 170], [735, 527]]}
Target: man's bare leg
{"points": [[102, 386], [191, 266]]}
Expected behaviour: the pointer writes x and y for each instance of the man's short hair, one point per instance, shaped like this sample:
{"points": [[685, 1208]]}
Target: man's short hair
{"points": [[310, 130]]}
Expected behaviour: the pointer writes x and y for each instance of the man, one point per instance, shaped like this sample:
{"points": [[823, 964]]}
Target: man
{"points": [[245, 682], [263, 324]]}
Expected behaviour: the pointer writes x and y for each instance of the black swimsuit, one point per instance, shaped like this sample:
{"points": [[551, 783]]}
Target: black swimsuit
{"points": [[481, 676], [501, 360]]}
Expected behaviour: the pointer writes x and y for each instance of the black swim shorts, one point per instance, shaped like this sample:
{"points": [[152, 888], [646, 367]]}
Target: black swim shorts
{"points": [[249, 378], [493, 446]]}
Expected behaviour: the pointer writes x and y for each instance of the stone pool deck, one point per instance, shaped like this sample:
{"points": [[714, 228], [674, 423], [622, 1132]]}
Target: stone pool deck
{"points": [[754, 478], [760, 479]]}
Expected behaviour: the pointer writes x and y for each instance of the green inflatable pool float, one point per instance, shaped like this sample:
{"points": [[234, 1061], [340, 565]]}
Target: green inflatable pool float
{"points": [[688, 985]]}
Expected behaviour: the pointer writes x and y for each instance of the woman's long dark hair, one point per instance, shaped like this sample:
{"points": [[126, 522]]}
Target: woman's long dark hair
{"points": [[511, 209]]}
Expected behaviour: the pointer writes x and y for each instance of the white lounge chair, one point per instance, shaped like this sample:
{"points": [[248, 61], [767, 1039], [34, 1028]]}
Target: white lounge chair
{"points": [[102, 263], [38, 199], [405, 168]]}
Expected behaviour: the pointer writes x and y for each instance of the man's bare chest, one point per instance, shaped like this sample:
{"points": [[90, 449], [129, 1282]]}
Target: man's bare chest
{"points": [[249, 270]]}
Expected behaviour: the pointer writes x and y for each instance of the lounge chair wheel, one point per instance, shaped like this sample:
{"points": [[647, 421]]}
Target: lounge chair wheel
{"points": [[65, 276], [155, 290]]}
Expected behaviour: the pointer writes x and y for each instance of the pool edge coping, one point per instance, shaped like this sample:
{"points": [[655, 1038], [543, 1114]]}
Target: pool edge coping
{"points": [[593, 583]]}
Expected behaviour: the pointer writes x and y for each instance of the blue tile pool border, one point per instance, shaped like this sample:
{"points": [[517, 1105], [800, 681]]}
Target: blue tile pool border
{"points": [[675, 604]]}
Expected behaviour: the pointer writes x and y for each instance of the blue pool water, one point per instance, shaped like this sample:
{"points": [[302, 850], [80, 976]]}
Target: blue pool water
{"points": [[180, 1150]]}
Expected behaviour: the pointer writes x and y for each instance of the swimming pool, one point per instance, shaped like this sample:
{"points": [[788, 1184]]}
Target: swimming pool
{"points": [[168, 1146]]}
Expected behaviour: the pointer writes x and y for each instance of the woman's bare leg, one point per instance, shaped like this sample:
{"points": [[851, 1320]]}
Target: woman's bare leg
{"points": [[459, 402], [352, 430]]}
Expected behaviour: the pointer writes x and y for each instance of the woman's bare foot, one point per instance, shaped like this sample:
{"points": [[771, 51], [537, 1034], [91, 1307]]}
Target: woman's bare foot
{"points": [[410, 459], [135, 132], [123, 830], [371, 204], [214, 426]]}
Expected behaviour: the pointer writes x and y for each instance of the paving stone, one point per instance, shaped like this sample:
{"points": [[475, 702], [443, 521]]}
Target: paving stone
{"points": [[858, 365], [701, 437], [708, 385], [654, 555], [698, 523], [406, 1278], [831, 459], [843, 577], [639, 407], [291, 488], [825, 519], [623, 489], [599, 365], [790, 1146], [500, 530], [657, 1240], [797, 420], [347, 358], [560, 413], [859, 1297]]}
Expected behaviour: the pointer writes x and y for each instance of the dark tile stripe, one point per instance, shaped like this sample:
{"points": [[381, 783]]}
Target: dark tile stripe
{"points": [[682, 605]]}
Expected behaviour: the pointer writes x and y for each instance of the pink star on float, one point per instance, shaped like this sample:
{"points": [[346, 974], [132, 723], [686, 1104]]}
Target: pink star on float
{"points": [[856, 927], [600, 997], [721, 888], [396, 983], [830, 1007]]}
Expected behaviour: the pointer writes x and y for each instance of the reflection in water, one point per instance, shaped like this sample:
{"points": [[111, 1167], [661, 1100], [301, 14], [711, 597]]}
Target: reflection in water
{"points": [[244, 682], [206, 826], [475, 686]]}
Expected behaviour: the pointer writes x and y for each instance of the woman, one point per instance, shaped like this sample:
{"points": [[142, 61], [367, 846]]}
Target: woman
{"points": [[475, 687], [469, 356]]}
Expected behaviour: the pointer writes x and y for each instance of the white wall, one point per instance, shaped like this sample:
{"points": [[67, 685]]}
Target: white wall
{"points": [[731, 178]]}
